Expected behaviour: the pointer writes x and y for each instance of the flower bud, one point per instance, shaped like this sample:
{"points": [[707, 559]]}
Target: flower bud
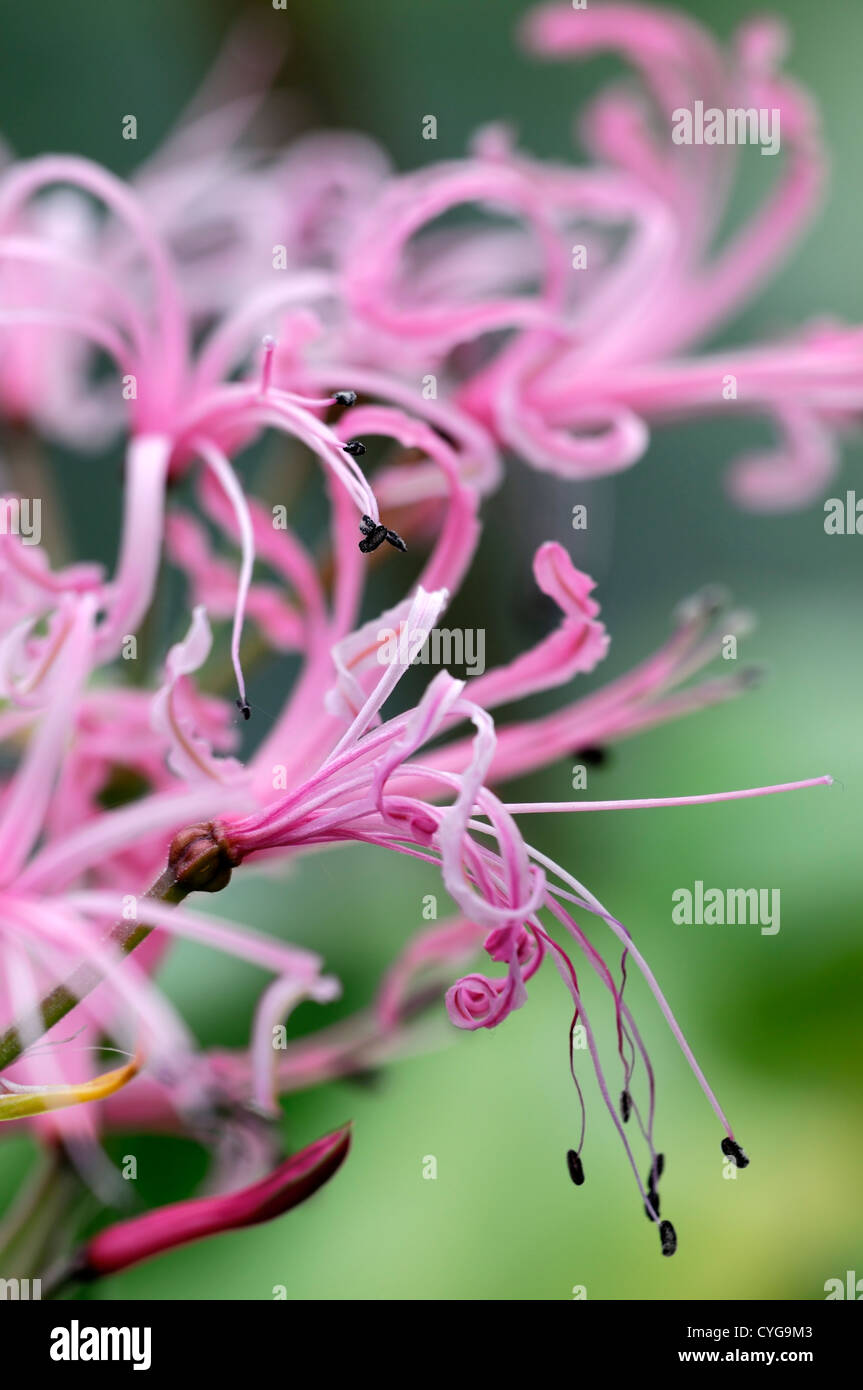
{"points": [[200, 859]]}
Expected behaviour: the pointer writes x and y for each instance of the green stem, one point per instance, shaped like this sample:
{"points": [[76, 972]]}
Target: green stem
{"points": [[37, 1229], [124, 936]]}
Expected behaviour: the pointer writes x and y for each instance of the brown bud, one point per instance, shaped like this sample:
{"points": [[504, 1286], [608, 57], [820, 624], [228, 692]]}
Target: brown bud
{"points": [[200, 859]]}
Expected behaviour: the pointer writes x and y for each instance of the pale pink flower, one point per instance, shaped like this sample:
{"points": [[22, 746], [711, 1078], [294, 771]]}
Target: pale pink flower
{"points": [[212, 345], [71, 869], [594, 355], [567, 368]]}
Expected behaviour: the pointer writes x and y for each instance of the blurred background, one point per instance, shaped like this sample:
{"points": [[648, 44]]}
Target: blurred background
{"points": [[774, 1021]]}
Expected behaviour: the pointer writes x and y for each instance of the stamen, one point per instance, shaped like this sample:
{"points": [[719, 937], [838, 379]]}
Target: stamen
{"points": [[646, 803], [625, 1106], [395, 539], [651, 1206], [732, 1149], [375, 534], [700, 607], [345, 397], [575, 1166], [355, 447], [218, 463], [668, 1237], [372, 537]]}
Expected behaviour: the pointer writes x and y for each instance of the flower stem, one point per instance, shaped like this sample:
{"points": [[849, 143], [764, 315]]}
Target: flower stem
{"points": [[124, 936]]}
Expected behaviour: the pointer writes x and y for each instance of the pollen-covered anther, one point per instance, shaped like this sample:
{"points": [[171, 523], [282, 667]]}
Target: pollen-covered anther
{"points": [[668, 1237], [345, 397], [244, 708], [374, 535], [625, 1106], [732, 1149], [355, 447], [200, 859], [575, 1167]]}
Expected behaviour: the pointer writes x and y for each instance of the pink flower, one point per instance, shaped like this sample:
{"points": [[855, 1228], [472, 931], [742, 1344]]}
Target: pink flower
{"points": [[327, 250], [367, 789], [236, 296], [71, 870]]}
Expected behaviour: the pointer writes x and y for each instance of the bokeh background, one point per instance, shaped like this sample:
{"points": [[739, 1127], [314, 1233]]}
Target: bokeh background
{"points": [[775, 1020]]}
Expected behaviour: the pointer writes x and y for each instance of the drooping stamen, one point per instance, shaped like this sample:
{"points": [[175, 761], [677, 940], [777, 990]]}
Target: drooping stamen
{"points": [[575, 1166], [625, 1025], [732, 1149], [218, 463], [651, 1206], [567, 972], [668, 1237], [575, 1080]]}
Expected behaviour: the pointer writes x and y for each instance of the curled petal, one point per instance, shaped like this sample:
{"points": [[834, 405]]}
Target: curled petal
{"points": [[579, 644], [792, 475], [374, 275], [477, 1002]]}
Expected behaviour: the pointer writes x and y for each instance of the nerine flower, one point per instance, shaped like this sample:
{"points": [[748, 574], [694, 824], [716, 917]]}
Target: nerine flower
{"points": [[366, 789], [565, 361], [233, 296], [597, 347], [351, 776]]}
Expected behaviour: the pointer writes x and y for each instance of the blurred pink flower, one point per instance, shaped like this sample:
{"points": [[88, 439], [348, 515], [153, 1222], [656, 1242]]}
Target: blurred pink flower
{"points": [[338, 258]]}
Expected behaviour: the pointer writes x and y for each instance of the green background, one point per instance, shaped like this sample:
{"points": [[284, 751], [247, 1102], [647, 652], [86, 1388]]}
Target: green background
{"points": [[775, 1021]]}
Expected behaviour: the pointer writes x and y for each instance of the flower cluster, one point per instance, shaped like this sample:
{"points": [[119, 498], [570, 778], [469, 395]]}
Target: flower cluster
{"points": [[220, 297]]}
